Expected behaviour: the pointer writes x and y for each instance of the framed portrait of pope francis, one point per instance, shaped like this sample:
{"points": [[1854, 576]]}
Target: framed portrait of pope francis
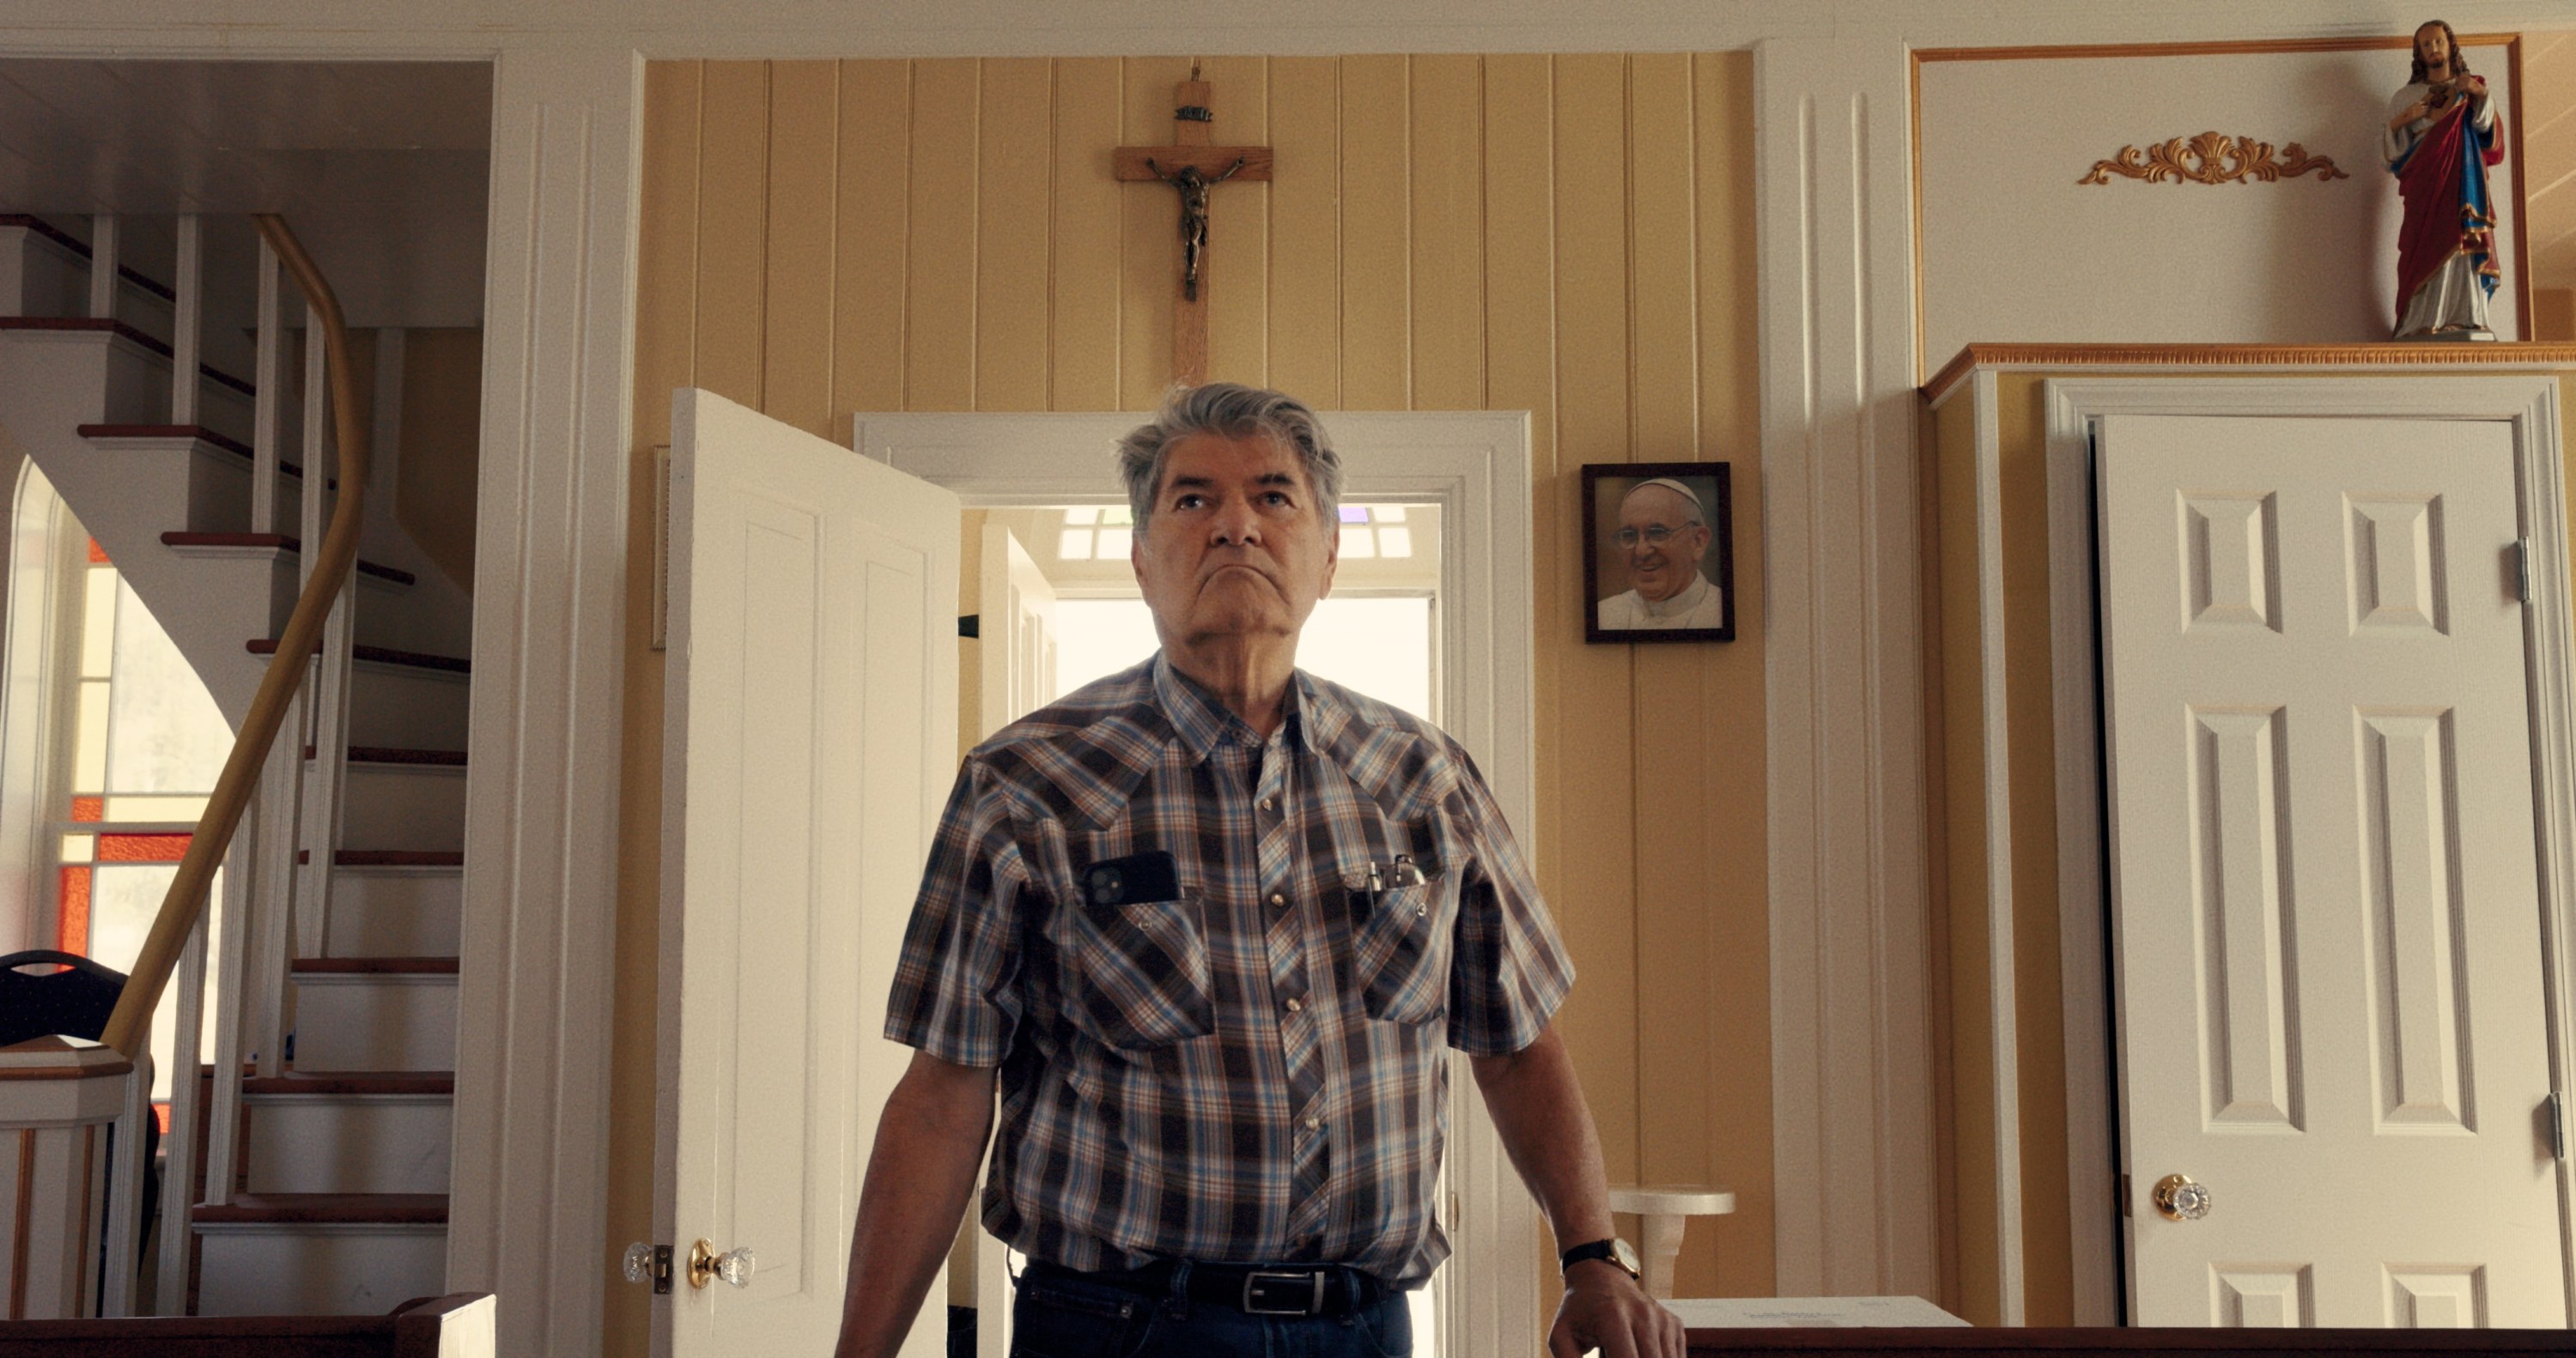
{"points": [[1658, 552]]}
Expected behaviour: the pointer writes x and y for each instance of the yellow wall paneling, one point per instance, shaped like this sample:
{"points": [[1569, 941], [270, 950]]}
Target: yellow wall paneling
{"points": [[1572, 236]]}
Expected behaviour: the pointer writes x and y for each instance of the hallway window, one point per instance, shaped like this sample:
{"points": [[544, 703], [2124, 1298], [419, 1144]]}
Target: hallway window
{"points": [[133, 750]]}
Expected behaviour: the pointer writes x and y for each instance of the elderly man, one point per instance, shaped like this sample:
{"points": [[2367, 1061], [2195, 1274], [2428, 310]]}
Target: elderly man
{"points": [[1213, 924], [1663, 532]]}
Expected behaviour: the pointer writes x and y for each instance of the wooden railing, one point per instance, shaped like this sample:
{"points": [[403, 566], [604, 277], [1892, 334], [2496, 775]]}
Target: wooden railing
{"points": [[129, 1028], [459, 1324]]}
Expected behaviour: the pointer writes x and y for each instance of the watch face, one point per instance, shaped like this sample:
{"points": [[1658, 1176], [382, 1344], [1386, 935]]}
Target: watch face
{"points": [[1626, 1254]]}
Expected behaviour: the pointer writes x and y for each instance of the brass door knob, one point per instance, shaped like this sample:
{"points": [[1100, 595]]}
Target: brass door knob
{"points": [[2180, 1199], [733, 1266]]}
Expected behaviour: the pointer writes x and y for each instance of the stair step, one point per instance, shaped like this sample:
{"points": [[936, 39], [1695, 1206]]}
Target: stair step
{"points": [[375, 1014], [315, 1209], [171, 433], [420, 1082], [320, 1254], [403, 699], [396, 911], [368, 1133], [388, 754], [380, 655], [402, 807], [279, 542], [374, 966], [390, 858], [208, 371], [81, 248]]}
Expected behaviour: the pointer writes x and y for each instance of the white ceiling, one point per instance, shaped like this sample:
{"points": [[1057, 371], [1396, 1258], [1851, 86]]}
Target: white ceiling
{"points": [[783, 28], [382, 168]]}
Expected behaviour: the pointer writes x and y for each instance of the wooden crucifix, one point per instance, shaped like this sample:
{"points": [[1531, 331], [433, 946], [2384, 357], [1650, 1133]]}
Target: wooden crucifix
{"points": [[1194, 167]]}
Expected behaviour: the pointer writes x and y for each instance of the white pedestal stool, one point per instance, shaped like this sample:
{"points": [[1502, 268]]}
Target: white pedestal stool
{"points": [[1666, 1208]]}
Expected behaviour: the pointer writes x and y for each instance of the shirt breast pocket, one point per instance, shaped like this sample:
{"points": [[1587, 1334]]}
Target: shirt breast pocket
{"points": [[1140, 970], [1400, 950]]}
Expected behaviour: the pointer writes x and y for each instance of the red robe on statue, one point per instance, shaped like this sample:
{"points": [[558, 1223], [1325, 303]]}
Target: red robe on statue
{"points": [[2442, 180]]}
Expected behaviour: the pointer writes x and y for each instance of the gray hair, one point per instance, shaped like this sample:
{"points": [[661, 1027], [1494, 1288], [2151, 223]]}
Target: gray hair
{"points": [[1229, 410]]}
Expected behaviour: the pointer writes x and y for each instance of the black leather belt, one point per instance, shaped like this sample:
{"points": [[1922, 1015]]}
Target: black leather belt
{"points": [[1254, 1289]]}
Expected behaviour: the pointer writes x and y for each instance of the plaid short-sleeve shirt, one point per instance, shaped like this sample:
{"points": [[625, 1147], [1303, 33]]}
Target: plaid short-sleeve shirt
{"points": [[1219, 1001]]}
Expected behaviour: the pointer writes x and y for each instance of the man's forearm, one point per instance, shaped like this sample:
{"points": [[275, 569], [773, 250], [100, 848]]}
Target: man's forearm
{"points": [[929, 1142], [1538, 1109]]}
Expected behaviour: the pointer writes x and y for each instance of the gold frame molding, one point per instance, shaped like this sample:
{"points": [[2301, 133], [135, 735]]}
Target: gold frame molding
{"points": [[2555, 356], [2213, 157], [2511, 42]]}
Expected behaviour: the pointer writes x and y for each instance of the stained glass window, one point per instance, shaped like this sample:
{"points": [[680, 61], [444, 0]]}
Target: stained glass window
{"points": [[147, 745]]}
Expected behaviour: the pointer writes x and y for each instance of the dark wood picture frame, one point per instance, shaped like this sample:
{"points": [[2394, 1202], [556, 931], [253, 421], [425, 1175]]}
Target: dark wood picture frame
{"points": [[1605, 570]]}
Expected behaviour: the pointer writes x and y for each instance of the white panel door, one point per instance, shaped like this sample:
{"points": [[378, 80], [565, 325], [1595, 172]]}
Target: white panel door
{"points": [[2324, 874], [1016, 603], [1017, 653], [811, 687]]}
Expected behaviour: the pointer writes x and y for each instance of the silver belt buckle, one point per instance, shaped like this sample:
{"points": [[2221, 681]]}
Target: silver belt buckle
{"points": [[1256, 1306]]}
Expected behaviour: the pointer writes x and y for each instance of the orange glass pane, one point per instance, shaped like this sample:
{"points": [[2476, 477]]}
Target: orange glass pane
{"points": [[98, 554], [142, 848], [71, 930], [89, 808]]}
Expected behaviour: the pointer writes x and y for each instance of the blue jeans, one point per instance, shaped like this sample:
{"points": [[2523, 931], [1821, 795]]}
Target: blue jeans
{"points": [[1055, 1316]]}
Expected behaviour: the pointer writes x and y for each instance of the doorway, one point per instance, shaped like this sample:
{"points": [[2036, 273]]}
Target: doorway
{"points": [[2520, 413], [1475, 466], [1057, 593]]}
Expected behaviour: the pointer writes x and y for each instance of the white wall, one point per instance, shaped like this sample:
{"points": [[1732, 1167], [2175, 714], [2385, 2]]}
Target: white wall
{"points": [[2015, 249]]}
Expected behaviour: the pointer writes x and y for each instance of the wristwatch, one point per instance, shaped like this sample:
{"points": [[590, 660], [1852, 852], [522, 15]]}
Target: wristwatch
{"points": [[1614, 1250]]}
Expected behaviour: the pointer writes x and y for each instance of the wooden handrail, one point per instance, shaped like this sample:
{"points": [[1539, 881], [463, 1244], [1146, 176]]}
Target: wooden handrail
{"points": [[129, 1028]]}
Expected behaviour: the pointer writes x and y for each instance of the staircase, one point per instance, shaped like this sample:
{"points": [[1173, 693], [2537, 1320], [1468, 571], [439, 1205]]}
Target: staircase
{"points": [[331, 1197]]}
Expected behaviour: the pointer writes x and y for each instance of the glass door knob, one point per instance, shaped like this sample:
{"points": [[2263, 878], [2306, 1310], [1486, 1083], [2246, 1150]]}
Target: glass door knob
{"points": [[733, 1267], [2180, 1199]]}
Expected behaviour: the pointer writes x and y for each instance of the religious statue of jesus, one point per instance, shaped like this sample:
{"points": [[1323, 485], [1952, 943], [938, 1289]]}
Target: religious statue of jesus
{"points": [[2440, 137]]}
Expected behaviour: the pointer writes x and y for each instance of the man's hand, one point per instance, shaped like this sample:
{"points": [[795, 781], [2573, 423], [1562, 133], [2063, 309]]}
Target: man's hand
{"points": [[1538, 1111], [928, 1144], [1605, 1309]]}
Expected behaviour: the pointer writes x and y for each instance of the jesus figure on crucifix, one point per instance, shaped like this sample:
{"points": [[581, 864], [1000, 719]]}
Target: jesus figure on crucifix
{"points": [[1194, 185]]}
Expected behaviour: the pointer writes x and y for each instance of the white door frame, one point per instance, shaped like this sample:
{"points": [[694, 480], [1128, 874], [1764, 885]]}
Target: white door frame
{"points": [[2530, 404], [1475, 466]]}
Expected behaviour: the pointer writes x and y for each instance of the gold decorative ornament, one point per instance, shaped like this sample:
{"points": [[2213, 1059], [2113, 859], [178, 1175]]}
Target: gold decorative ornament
{"points": [[2213, 158]]}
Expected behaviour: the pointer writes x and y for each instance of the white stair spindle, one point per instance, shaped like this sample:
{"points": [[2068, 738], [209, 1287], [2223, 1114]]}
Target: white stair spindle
{"points": [[233, 1019], [125, 1195], [272, 885], [269, 408], [102, 267], [326, 779], [187, 1109], [317, 472], [186, 319]]}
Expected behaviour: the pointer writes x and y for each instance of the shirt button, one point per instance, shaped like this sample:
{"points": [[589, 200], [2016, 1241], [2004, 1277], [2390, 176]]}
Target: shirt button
{"points": [[1269, 803], [1295, 1004], [1278, 901], [1314, 1123]]}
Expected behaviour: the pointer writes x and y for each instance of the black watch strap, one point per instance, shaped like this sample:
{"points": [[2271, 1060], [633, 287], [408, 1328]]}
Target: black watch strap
{"points": [[1596, 1249]]}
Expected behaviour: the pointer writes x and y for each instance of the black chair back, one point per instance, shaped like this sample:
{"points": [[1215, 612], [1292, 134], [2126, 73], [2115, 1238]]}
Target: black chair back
{"points": [[74, 1001]]}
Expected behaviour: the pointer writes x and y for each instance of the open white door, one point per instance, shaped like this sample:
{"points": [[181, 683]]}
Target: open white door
{"points": [[2324, 872], [1016, 652], [1017, 607], [810, 695]]}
